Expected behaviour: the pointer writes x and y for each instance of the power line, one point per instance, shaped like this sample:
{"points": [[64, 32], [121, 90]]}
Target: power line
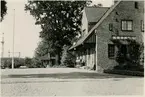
{"points": [[19, 54]]}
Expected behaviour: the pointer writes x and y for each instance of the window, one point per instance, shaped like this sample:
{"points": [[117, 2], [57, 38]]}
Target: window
{"points": [[84, 30], [111, 50], [142, 25], [136, 5], [117, 13], [110, 27], [127, 25]]}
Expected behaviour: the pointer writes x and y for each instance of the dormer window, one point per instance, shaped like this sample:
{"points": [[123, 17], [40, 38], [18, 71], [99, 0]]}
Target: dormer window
{"points": [[136, 5]]}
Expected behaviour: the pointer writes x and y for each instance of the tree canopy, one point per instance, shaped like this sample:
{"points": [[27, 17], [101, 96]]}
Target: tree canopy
{"points": [[60, 21], [3, 9]]}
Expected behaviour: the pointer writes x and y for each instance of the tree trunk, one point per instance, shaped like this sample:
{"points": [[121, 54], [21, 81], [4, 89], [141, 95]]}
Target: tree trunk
{"points": [[57, 60]]}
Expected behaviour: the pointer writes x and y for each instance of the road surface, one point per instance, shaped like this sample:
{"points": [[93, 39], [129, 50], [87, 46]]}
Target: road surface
{"points": [[67, 82]]}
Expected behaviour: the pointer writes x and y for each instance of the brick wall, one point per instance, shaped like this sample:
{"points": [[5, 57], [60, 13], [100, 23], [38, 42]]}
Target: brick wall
{"points": [[125, 10]]}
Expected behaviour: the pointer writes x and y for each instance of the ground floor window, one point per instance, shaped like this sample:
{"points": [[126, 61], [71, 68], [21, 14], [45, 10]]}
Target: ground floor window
{"points": [[111, 50]]}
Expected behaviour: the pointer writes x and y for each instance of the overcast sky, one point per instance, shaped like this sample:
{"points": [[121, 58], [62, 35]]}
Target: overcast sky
{"points": [[26, 32]]}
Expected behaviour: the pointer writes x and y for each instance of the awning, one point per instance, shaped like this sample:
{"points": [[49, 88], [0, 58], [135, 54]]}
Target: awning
{"points": [[123, 37]]}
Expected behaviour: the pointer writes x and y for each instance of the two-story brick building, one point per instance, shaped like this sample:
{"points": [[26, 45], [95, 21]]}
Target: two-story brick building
{"points": [[101, 27]]}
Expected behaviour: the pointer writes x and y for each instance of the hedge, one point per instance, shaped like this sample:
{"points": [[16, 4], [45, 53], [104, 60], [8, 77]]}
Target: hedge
{"points": [[125, 72]]}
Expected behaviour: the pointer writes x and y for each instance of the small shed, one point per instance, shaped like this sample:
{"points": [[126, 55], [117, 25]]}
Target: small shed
{"points": [[48, 60]]}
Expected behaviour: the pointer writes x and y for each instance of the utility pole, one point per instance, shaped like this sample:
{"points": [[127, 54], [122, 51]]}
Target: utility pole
{"points": [[9, 54], [13, 40], [2, 54], [2, 49]]}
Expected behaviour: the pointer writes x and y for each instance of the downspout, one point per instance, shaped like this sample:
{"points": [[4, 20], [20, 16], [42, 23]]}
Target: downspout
{"points": [[96, 63]]}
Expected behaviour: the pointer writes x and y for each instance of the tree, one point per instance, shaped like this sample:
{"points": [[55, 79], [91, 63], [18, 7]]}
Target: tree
{"points": [[43, 48], [60, 21], [3, 9]]}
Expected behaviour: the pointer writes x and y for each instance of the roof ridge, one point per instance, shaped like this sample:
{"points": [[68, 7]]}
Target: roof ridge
{"points": [[91, 12], [95, 7]]}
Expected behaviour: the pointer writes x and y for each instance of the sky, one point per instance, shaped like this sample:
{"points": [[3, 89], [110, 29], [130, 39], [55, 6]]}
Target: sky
{"points": [[26, 37]]}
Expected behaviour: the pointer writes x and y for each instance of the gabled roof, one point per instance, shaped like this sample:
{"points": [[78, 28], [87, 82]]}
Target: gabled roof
{"points": [[96, 26], [45, 57], [93, 14]]}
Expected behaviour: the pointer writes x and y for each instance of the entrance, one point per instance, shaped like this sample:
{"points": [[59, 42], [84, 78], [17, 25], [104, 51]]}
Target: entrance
{"points": [[123, 50]]}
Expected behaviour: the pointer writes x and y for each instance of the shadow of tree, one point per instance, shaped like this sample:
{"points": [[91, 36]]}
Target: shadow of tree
{"points": [[72, 75]]}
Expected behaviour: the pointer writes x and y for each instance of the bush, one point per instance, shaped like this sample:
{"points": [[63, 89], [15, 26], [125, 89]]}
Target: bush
{"points": [[36, 63], [28, 62], [125, 72], [67, 59], [130, 67], [131, 61], [7, 62]]}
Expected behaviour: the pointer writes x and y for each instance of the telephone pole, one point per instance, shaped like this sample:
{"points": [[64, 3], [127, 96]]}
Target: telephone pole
{"points": [[2, 53], [13, 40], [2, 49]]}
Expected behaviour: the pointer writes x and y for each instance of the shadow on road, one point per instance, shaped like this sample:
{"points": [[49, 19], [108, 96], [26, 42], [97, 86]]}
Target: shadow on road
{"points": [[72, 75]]}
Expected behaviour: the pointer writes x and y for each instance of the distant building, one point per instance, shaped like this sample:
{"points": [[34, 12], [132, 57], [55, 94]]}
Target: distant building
{"points": [[49, 60], [102, 26]]}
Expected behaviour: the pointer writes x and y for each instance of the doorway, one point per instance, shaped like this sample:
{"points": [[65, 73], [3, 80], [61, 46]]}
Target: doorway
{"points": [[123, 50]]}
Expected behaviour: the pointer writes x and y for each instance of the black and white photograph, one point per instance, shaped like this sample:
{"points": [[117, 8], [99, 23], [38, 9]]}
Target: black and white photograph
{"points": [[72, 48]]}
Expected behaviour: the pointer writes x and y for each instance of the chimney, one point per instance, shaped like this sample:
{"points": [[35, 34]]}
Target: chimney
{"points": [[115, 1]]}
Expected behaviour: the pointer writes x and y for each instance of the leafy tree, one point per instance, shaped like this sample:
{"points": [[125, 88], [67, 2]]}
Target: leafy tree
{"points": [[60, 21], [43, 48], [3, 9]]}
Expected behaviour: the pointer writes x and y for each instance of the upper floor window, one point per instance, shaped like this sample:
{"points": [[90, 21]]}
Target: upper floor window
{"points": [[110, 27], [127, 25], [136, 5], [142, 25]]}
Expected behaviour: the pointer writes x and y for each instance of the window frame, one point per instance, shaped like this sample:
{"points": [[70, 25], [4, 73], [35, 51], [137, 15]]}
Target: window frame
{"points": [[142, 25], [110, 27], [126, 26], [136, 5], [111, 51]]}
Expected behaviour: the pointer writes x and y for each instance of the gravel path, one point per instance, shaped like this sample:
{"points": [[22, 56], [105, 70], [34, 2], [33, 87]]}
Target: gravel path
{"points": [[77, 84]]}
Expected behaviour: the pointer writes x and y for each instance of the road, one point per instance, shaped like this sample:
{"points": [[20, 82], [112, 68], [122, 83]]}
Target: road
{"points": [[67, 82]]}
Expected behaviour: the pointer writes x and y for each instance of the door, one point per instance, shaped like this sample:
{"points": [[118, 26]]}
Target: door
{"points": [[123, 50]]}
